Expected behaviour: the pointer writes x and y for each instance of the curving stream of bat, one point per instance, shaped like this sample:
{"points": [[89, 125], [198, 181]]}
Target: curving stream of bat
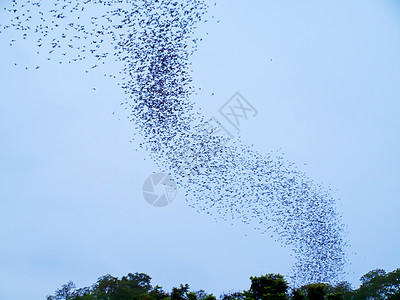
{"points": [[153, 40]]}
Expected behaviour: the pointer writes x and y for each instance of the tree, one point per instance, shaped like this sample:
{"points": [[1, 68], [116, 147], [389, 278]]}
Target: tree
{"points": [[316, 291], [106, 287], [133, 286], [157, 293], [393, 279], [83, 294], [232, 296], [297, 294], [268, 287], [341, 291], [65, 292], [376, 284], [180, 293], [372, 285]]}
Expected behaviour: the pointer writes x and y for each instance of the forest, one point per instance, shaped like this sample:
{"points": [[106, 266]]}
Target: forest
{"points": [[376, 284]]}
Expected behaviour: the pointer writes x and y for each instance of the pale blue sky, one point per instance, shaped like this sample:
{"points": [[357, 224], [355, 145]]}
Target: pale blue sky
{"points": [[70, 180]]}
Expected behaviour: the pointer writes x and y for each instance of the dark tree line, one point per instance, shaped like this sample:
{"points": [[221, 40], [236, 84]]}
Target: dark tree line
{"points": [[375, 285]]}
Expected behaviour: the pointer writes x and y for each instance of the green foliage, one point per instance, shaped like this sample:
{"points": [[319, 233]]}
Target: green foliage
{"points": [[268, 287], [316, 291], [321, 291], [180, 293], [65, 292], [157, 293], [375, 285], [298, 294], [131, 287], [232, 296]]}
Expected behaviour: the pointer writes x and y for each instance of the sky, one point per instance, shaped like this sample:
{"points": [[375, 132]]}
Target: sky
{"points": [[324, 78]]}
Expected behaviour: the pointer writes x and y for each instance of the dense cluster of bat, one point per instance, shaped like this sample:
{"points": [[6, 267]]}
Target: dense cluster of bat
{"points": [[153, 40]]}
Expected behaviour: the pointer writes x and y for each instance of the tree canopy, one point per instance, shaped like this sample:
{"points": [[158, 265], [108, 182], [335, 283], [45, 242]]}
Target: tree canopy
{"points": [[375, 285]]}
